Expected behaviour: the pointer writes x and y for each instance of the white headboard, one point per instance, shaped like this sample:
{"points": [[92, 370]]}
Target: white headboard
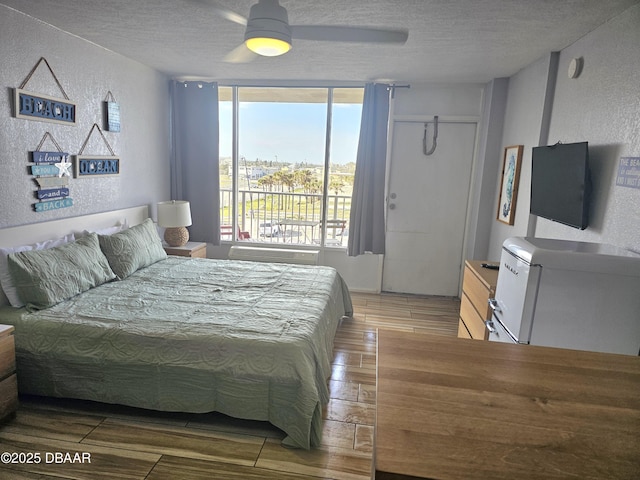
{"points": [[38, 232]]}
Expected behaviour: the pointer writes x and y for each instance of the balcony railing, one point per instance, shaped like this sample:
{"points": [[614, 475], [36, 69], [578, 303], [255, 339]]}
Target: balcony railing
{"points": [[285, 218]]}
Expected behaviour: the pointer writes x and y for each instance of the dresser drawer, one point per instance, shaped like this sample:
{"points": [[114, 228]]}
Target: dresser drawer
{"points": [[477, 292], [7, 356], [8, 396], [462, 330], [472, 320]]}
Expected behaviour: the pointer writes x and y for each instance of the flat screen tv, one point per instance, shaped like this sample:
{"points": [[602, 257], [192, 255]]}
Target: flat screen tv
{"points": [[561, 183]]}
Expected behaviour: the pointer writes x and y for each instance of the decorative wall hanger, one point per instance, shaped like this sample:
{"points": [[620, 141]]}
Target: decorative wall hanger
{"points": [[111, 113], [435, 137], [51, 172], [96, 165], [36, 106]]}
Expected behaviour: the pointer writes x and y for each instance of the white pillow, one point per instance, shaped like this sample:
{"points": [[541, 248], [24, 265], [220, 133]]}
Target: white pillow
{"points": [[6, 281], [110, 230]]}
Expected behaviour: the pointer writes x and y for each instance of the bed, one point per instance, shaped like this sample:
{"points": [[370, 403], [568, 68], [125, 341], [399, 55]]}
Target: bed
{"points": [[250, 340]]}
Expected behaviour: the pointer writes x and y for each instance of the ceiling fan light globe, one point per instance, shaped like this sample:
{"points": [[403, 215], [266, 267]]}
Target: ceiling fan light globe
{"points": [[268, 32], [268, 47]]}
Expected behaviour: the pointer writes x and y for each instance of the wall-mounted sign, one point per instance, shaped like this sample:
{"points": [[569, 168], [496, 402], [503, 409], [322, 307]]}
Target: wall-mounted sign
{"points": [[52, 193], [48, 157], [111, 113], [629, 172], [51, 172], [112, 117], [44, 170], [52, 182], [53, 204], [36, 106], [92, 166]]}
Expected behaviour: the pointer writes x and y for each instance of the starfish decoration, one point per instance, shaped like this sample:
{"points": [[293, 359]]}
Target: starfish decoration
{"points": [[63, 166]]}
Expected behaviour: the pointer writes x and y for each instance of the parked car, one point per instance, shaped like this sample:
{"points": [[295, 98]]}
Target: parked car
{"points": [[269, 229]]}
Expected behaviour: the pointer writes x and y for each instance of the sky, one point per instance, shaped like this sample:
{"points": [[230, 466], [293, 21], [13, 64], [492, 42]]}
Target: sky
{"points": [[291, 132]]}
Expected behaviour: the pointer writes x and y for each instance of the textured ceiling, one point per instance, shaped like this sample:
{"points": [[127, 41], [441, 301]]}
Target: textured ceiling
{"points": [[449, 40]]}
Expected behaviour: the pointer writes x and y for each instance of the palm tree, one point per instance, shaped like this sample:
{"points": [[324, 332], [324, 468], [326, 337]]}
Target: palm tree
{"points": [[266, 182], [304, 178], [289, 180], [278, 179], [336, 184]]}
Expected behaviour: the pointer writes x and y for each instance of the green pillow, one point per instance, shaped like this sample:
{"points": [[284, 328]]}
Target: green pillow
{"points": [[132, 249], [44, 278]]}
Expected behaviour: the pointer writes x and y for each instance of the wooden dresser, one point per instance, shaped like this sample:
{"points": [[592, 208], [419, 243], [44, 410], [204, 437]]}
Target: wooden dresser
{"points": [[478, 285], [8, 379]]}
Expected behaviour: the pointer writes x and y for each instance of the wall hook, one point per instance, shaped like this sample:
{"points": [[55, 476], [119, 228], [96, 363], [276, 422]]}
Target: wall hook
{"points": [[435, 137]]}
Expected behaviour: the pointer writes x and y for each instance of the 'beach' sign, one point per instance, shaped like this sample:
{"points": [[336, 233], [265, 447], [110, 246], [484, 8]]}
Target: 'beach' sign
{"points": [[36, 106]]}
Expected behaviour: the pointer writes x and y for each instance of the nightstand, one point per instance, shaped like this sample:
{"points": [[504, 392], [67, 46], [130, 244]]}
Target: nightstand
{"points": [[8, 379], [190, 249]]}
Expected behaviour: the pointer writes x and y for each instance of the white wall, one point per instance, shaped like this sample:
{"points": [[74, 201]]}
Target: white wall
{"points": [[484, 181], [602, 107], [522, 125], [87, 73], [438, 99]]}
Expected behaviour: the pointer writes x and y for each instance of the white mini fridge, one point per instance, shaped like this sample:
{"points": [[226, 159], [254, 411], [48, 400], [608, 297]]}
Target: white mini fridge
{"points": [[560, 293]]}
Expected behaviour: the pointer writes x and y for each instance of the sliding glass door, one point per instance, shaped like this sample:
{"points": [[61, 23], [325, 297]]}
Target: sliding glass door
{"points": [[287, 159]]}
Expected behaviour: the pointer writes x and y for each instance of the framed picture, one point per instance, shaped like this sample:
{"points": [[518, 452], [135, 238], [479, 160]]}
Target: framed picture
{"points": [[509, 182]]}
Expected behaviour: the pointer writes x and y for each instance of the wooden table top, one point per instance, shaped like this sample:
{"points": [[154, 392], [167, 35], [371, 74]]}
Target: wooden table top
{"points": [[452, 408]]}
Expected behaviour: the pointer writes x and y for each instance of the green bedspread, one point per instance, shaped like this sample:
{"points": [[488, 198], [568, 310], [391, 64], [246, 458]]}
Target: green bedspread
{"points": [[250, 340]]}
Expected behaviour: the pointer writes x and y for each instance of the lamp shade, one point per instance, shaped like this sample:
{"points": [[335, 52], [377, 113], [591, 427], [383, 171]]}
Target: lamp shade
{"points": [[174, 213]]}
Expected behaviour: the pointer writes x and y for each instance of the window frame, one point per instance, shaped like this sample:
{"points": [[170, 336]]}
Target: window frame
{"points": [[235, 159]]}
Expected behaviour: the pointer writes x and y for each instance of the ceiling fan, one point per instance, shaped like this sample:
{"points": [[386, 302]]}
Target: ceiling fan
{"points": [[268, 32]]}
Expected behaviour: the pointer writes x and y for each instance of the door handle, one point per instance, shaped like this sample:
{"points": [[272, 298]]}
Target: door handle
{"points": [[493, 304], [489, 325]]}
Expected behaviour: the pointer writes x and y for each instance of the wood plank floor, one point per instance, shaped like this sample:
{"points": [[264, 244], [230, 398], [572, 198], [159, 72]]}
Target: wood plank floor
{"points": [[129, 443]]}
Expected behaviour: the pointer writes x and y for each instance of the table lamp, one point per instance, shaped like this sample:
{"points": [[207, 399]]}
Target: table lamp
{"points": [[175, 216]]}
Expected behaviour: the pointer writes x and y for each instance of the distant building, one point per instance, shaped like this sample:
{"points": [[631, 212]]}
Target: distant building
{"points": [[254, 172], [251, 172]]}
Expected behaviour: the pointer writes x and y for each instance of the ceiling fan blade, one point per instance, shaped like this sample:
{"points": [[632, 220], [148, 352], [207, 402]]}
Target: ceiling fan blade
{"points": [[349, 34], [240, 54], [226, 13]]}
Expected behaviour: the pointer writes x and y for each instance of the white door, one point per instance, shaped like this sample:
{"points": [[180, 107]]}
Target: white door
{"points": [[426, 208]]}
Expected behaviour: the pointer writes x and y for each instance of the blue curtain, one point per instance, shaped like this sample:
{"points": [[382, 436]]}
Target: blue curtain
{"points": [[194, 156], [367, 218]]}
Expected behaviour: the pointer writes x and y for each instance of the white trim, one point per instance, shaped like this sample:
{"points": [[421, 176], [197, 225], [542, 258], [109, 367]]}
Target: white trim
{"points": [[441, 118]]}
